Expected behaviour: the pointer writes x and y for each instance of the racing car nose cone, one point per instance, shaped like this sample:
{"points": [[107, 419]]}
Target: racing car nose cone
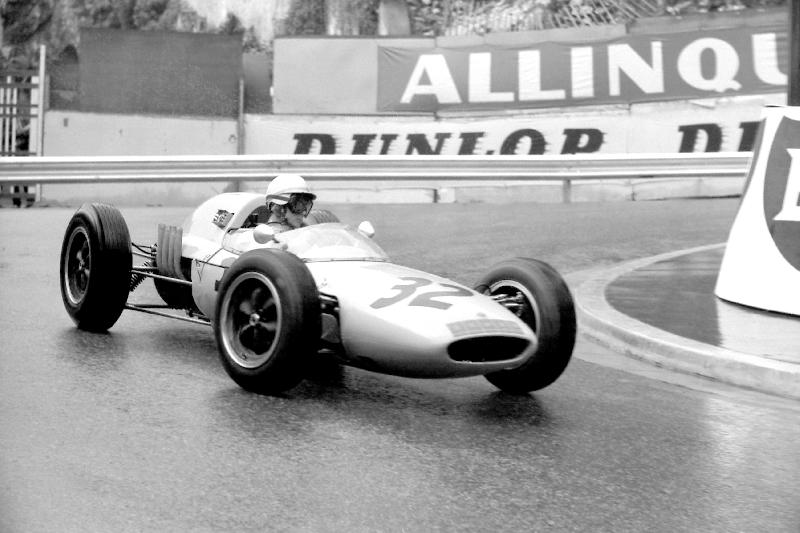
{"points": [[254, 319]]}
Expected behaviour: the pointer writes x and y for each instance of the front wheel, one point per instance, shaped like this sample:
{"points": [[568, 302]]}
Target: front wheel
{"points": [[267, 321], [537, 294], [95, 273]]}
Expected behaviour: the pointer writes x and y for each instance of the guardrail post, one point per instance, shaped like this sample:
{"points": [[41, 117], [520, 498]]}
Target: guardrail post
{"points": [[566, 191], [236, 184], [44, 91]]}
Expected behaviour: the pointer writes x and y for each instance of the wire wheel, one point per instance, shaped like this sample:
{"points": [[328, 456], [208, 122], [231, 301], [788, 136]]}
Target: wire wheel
{"points": [[251, 319], [77, 265]]}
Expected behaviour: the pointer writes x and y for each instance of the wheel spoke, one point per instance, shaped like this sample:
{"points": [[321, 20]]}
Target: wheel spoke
{"points": [[261, 339], [84, 254], [268, 308], [246, 307], [252, 304], [247, 336], [258, 337], [77, 266], [258, 297], [270, 326]]}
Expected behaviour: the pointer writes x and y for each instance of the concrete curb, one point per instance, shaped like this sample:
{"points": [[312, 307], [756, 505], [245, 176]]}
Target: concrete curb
{"points": [[603, 324]]}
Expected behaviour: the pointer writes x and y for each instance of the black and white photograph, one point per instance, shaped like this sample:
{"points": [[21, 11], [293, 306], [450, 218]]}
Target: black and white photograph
{"points": [[400, 266]]}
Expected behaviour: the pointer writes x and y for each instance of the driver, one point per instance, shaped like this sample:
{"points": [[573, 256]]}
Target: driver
{"points": [[289, 201]]}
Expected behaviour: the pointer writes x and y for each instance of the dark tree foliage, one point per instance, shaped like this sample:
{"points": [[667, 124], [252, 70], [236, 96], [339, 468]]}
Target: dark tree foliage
{"points": [[428, 17], [105, 13], [250, 41], [315, 17], [231, 25], [25, 23], [306, 17], [23, 19], [127, 14], [156, 14], [56, 23]]}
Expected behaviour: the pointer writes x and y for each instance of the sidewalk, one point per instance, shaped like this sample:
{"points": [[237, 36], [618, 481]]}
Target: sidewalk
{"points": [[663, 310]]}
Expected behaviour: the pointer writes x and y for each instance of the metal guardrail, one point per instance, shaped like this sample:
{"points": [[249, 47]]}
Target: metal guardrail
{"points": [[136, 169], [433, 170]]}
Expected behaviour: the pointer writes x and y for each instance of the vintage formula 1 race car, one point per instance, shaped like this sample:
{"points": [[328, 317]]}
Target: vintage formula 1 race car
{"points": [[275, 301]]}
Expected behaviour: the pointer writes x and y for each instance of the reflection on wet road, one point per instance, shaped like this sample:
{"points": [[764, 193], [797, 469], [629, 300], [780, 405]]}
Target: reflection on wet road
{"points": [[140, 429], [677, 295]]}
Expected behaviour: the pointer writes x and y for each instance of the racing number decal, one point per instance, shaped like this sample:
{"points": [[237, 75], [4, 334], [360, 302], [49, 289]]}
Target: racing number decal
{"points": [[403, 292], [426, 299]]}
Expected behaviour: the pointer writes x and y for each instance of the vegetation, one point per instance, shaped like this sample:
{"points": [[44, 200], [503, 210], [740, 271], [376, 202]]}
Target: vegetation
{"points": [[56, 23], [28, 23]]}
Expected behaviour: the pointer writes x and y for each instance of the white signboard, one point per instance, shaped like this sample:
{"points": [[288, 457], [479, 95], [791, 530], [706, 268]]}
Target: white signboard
{"points": [[761, 266], [714, 125]]}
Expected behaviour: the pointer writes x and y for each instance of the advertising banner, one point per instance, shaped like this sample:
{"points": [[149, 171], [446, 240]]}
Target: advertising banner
{"points": [[664, 127], [629, 69]]}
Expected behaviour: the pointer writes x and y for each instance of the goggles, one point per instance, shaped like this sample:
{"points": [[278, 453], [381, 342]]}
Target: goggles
{"points": [[300, 204]]}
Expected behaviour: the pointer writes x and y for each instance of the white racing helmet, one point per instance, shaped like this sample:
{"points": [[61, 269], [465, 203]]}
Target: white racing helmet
{"points": [[283, 186]]}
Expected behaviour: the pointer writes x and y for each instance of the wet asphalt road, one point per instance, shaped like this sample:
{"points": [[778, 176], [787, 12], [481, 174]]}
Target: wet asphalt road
{"points": [[141, 430]]}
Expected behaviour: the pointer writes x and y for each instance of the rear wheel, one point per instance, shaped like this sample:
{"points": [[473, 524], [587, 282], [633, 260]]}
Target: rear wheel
{"points": [[537, 294], [95, 273], [268, 321], [175, 295]]}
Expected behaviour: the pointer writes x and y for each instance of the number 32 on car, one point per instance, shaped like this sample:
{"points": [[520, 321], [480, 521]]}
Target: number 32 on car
{"points": [[424, 299]]}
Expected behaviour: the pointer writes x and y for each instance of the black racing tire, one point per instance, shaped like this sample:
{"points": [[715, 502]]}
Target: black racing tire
{"points": [[95, 273], [267, 321], [320, 216], [175, 295], [548, 309]]}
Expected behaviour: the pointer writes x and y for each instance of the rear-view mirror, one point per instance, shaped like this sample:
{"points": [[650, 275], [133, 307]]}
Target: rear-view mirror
{"points": [[367, 229]]}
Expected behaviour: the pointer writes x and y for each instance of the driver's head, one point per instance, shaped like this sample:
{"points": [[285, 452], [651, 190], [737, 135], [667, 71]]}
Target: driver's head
{"points": [[289, 197]]}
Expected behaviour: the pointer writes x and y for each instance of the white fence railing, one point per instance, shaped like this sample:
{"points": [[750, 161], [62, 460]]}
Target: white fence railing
{"points": [[342, 168]]}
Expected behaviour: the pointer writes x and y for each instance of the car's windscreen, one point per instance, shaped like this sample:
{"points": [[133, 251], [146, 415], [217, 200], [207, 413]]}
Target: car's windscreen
{"points": [[331, 242]]}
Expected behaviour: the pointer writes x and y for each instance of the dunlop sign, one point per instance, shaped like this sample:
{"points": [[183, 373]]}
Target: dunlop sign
{"points": [[634, 68]]}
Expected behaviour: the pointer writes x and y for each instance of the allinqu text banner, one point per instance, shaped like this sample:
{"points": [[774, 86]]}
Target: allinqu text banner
{"points": [[634, 68]]}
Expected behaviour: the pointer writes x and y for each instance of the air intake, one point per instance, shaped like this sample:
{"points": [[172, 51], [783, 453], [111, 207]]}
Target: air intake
{"points": [[487, 349]]}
